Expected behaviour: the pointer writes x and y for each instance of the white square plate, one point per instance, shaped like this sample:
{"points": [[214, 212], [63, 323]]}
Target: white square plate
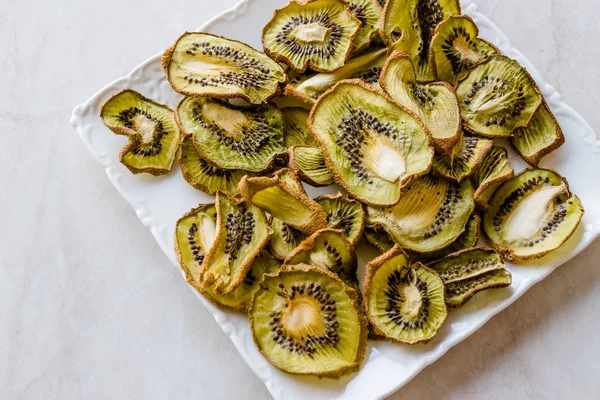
{"points": [[159, 202]]}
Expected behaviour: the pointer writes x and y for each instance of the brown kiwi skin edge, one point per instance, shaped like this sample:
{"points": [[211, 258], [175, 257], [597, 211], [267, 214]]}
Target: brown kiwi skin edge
{"points": [[481, 203], [295, 168], [484, 152], [352, 295], [339, 196]]}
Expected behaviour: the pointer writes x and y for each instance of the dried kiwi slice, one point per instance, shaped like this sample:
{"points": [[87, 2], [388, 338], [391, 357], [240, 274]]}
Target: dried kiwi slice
{"points": [[232, 136], [327, 249], [205, 176], [368, 12], [367, 67], [435, 103], [195, 234], [471, 271], [404, 301], [431, 214], [455, 48], [309, 164], [316, 34], [541, 137], [287, 176], [284, 238], [464, 159], [497, 96], [531, 215], [345, 214], [410, 24], [371, 145], [242, 233], [306, 321], [202, 64], [284, 201], [153, 133], [239, 299], [285, 101], [494, 170], [379, 239], [296, 130]]}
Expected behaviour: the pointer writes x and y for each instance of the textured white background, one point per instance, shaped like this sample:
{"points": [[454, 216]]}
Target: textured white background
{"points": [[90, 309]]}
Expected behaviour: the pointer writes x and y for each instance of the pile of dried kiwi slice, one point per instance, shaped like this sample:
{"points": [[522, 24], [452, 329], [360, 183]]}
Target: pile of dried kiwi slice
{"points": [[399, 104]]}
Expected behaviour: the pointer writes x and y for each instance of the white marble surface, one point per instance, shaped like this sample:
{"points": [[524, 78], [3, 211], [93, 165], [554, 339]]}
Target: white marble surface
{"points": [[90, 309]]}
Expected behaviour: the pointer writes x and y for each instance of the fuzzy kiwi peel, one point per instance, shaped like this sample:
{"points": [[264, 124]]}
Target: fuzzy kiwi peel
{"points": [[379, 239], [308, 163], [365, 139], [368, 12], [404, 301], [284, 239], [493, 170], [345, 214], [531, 215], [470, 271], [203, 64], [464, 159], [317, 34], [285, 202], [153, 134], [300, 302]]}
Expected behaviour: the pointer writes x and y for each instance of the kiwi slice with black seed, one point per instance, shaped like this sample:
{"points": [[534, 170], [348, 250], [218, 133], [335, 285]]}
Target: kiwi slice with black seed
{"points": [[151, 128], [409, 25], [308, 163], [345, 214], [242, 233], [366, 67], [241, 296], [541, 137], [471, 271], [371, 145], [284, 201], [435, 103], [296, 130], [284, 238], [497, 97], [233, 136], [329, 249], [316, 34], [464, 160], [379, 239], [368, 12], [494, 170], [202, 64], [531, 215], [307, 321], [431, 214], [204, 176], [404, 301], [456, 48], [195, 234]]}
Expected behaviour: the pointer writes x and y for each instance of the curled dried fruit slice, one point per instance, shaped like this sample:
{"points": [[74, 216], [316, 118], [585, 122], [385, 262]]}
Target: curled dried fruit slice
{"points": [[345, 214], [379, 239], [309, 164], [367, 67], [327, 249], [317, 34], [287, 176], [497, 96], [242, 233], [283, 102], [494, 170], [239, 299], [296, 130], [541, 137], [371, 145], [284, 238], [431, 214], [230, 136], [284, 201], [464, 159], [435, 103], [368, 12], [531, 215], [410, 24], [204, 176], [153, 133], [471, 271], [306, 321], [202, 64], [455, 48], [404, 301], [195, 234]]}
